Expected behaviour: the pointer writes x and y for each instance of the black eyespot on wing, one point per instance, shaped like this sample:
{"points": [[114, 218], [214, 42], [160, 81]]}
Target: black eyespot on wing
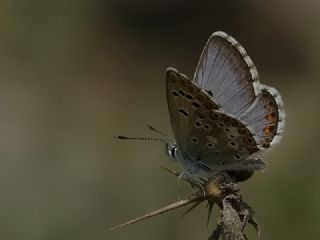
{"points": [[214, 116], [197, 123], [210, 145], [174, 93], [194, 140], [236, 156], [196, 105], [184, 112], [220, 124], [207, 127], [231, 136], [182, 93], [188, 96]]}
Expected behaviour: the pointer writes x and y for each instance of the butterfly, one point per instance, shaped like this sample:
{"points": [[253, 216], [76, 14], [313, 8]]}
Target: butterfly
{"points": [[223, 119]]}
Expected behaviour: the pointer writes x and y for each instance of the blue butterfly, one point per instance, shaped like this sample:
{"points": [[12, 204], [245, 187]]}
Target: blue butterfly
{"points": [[224, 118]]}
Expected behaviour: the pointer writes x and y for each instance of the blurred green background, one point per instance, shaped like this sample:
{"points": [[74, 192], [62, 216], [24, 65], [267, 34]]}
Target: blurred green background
{"points": [[73, 74]]}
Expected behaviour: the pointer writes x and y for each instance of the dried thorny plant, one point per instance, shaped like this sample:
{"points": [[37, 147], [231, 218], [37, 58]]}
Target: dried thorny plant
{"points": [[221, 190]]}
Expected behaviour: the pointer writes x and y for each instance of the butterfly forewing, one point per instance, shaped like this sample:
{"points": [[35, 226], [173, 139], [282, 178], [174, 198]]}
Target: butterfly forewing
{"points": [[205, 134], [227, 71], [185, 101]]}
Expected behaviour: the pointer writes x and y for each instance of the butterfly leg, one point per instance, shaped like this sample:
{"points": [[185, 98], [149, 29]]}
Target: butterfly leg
{"points": [[186, 176], [170, 171], [190, 178]]}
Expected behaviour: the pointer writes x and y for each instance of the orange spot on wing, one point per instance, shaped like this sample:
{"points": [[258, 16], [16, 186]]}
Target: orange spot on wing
{"points": [[268, 129], [271, 116]]}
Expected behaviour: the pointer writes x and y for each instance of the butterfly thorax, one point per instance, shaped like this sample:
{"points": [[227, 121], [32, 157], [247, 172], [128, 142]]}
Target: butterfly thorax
{"points": [[189, 164]]}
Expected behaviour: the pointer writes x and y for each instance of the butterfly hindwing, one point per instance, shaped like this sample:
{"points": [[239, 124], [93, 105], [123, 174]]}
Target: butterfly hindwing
{"points": [[221, 140], [266, 117]]}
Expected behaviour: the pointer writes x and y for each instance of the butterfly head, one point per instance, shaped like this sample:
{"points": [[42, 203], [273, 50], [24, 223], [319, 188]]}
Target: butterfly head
{"points": [[172, 150]]}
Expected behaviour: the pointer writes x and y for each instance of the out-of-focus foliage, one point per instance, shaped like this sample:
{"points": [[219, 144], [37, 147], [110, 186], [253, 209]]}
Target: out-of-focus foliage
{"points": [[75, 73]]}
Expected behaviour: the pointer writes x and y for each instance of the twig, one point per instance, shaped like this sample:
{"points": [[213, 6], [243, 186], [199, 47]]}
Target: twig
{"points": [[168, 208]]}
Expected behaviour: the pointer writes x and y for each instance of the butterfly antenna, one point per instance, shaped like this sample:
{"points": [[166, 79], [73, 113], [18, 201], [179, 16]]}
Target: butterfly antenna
{"points": [[160, 132], [170, 170], [142, 139], [168, 208]]}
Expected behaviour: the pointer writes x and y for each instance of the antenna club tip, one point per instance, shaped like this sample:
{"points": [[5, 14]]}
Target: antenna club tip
{"points": [[150, 127], [120, 137]]}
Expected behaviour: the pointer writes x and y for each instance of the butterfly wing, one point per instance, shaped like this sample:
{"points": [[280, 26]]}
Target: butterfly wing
{"points": [[206, 136], [226, 71], [185, 101], [266, 117]]}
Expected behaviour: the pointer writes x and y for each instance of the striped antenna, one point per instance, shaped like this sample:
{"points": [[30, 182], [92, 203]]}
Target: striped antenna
{"points": [[142, 139]]}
